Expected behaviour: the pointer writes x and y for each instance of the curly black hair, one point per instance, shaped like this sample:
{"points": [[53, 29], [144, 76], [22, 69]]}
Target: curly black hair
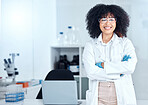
{"points": [[102, 10]]}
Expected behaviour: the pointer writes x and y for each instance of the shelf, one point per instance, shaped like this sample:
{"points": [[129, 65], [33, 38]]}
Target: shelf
{"points": [[70, 51], [67, 46]]}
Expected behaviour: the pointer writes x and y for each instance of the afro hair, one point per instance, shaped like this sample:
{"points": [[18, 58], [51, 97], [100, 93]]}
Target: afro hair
{"points": [[101, 11]]}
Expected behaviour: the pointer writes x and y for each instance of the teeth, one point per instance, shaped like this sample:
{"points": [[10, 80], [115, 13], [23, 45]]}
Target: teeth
{"points": [[107, 27]]}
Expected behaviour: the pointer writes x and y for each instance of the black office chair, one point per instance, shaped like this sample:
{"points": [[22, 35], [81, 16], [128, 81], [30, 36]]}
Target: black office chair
{"points": [[59, 74]]}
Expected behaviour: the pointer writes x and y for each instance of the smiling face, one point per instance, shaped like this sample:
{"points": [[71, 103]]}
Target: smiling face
{"points": [[107, 24]]}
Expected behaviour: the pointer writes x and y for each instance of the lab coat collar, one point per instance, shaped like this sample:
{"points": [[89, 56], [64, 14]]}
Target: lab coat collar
{"points": [[114, 39]]}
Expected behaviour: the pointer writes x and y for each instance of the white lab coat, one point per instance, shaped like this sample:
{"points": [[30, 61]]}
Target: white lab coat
{"points": [[112, 70]]}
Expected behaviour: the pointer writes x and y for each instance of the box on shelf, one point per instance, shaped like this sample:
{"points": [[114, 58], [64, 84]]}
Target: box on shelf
{"points": [[25, 84]]}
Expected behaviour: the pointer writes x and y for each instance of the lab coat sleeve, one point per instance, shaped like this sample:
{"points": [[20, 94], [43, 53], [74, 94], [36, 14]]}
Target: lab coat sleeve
{"points": [[123, 67], [94, 72]]}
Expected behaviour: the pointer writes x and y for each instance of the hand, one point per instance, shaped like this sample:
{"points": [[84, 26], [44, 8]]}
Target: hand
{"points": [[125, 58], [99, 64]]}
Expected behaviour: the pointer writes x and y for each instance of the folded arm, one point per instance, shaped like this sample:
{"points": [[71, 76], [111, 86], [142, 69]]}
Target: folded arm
{"points": [[93, 71], [123, 67]]}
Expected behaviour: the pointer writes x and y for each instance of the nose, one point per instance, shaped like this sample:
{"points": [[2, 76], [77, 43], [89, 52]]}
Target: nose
{"points": [[107, 22]]}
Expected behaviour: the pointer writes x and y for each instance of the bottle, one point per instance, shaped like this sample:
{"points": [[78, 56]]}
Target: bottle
{"points": [[60, 38], [71, 35], [74, 67], [56, 64], [65, 39], [77, 35], [61, 63], [77, 56], [66, 62], [77, 60]]}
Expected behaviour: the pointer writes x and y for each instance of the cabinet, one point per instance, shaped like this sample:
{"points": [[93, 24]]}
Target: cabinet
{"points": [[82, 80]]}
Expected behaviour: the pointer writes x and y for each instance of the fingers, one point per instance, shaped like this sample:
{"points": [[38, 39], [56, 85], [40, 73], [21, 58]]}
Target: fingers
{"points": [[99, 64], [125, 58]]}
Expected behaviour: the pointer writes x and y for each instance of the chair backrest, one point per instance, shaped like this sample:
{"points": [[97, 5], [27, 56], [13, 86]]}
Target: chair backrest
{"points": [[58, 74]]}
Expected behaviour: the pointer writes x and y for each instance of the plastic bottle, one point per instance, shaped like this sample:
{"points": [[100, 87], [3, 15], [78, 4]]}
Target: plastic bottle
{"points": [[60, 38], [71, 35], [77, 35], [65, 39], [74, 67]]}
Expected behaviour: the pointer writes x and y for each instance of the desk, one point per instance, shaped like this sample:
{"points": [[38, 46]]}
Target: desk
{"points": [[29, 102], [40, 102]]}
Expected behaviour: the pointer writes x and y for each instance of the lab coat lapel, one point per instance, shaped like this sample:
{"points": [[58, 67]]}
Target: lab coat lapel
{"points": [[98, 42], [116, 40]]}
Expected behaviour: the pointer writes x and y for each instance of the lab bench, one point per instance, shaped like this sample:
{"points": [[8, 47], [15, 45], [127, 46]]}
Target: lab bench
{"points": [[30, 102]]}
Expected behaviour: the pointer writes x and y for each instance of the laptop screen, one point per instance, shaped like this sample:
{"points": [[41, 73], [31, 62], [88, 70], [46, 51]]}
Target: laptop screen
{"points": [[59, 92]]}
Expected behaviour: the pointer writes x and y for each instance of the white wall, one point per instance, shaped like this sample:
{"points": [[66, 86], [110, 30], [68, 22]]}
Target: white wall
{"points": [[28, 28], [140, 39], [73, 12], [17, 34], [44, 33]]}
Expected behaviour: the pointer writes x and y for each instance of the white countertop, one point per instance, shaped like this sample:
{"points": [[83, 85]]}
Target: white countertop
{"points": [[28, 102], [40, 102]]}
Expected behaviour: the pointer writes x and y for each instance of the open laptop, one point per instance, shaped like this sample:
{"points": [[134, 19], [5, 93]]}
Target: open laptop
{"points": [[59, 93]]}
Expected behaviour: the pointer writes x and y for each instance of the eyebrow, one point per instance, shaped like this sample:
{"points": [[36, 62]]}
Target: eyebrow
{"points": [[110, 16]]}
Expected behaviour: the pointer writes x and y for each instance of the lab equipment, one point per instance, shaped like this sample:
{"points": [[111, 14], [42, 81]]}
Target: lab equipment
{"points": [[65, 39], [2, 82], [78, 36], [74, 65], [60, 92], [34, 82], [10, 67], [24, 84], [2, 88], [60, 38], [61, 64], [2, 92], [57, 75], [14, 93], [99, 65], [66, 62], [71, 35], [14, 97]]}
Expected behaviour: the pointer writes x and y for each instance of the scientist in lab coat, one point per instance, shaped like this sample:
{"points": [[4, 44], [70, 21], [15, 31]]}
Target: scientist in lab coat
{"points": [[109, 58]]}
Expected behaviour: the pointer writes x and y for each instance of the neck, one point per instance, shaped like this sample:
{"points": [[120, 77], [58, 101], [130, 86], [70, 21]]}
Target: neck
{"points": [[106, 37]]}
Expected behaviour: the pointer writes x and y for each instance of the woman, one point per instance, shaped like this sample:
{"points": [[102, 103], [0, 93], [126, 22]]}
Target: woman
{"points": [[109, 58]]}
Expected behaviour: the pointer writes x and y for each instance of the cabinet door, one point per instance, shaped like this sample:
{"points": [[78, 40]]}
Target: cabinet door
{"points": [[78, 85], [84, 86]]}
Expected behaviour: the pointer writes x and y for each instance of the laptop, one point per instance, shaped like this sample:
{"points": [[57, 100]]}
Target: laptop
{"points": [[60, 93]]}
